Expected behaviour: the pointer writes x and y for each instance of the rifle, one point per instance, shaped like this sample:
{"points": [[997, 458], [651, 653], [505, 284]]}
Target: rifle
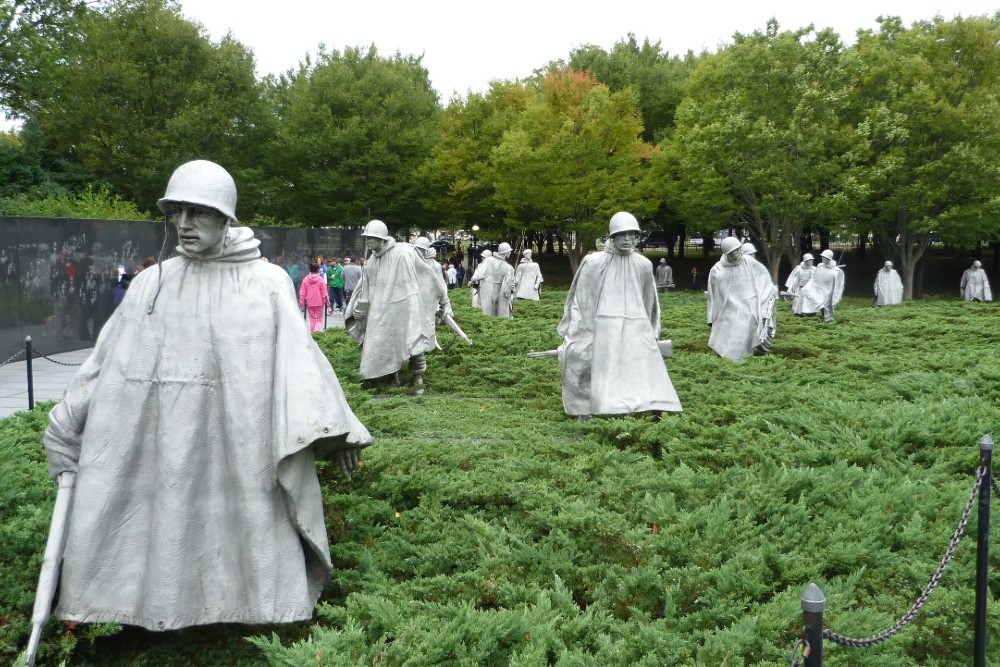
{"points": [[456, 331], [48, 579]]}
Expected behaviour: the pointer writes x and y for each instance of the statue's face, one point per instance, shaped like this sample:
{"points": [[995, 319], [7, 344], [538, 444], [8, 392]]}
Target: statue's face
{"points": [[374, 243], [624, 241], [808, 263], [735, 255], [829, 263], [201, 230], [888, 266]]}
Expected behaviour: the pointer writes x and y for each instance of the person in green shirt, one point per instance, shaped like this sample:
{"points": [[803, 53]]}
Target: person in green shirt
{"points": [[335, 281]]}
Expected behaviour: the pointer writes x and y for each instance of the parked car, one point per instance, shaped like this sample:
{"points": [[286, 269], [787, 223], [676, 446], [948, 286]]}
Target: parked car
{"points": [[443, 245], [654, 239]]}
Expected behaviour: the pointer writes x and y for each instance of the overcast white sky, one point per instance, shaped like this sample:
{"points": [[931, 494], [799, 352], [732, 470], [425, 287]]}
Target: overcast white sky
{"points": [[466, 43]]}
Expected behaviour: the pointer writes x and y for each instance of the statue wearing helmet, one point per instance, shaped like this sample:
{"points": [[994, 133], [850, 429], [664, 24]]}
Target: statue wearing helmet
{"points": [[393, 310], [888, 287], [741, 300], [975, 285], [493, 283], [797, 279], [527, 278], [610, 354], [823, 291], [197, 499]]}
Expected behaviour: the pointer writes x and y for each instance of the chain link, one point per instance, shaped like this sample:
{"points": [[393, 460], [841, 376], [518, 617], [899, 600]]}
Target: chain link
{"points": [[36, 354], [18, 354], [918, 605], [795, 649]]}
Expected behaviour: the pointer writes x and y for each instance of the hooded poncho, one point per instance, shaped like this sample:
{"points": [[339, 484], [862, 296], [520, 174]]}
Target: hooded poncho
{"points": [[527, 280], [797, 279], [611, 363], [740, 307], [888, 288], [495, 278], [975, 285], [398, 320], [823, 291], [193, 434]]}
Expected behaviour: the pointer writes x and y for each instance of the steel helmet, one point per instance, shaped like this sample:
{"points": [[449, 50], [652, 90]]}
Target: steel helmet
{"points": [[977, 264], [623, 222], [486, 253], [827, 253], [377, 229], [748, 248], [202, 183], [527, 254], [729, 244], [423, 243], [504, 249], [808, 256]]}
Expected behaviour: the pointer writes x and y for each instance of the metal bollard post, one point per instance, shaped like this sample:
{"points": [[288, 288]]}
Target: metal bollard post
{"points": [[983, 551], [813, 606], [31, 382]]}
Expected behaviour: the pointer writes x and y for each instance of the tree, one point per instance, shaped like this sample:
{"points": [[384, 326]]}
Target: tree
{"points": [[657, 77], [573, 159], [354, 130], [30, 168], [146, 91], [929, 133], [760, 140], [33, 35], [459, 175]]}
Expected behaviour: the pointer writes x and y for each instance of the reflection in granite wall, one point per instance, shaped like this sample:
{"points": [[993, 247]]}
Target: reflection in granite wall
{"points": [[60, 278]]}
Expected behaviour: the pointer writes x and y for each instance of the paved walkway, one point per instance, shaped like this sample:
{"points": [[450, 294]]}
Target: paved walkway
{"points": [[51, 379]]}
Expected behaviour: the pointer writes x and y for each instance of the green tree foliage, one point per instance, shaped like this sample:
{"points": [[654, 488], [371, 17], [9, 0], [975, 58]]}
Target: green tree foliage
{"points": [[146, 91], [760, 139], [657, 77], [929, 131], [573, 159], [354, 129], [98, 204], [459, 174], [30, 168], [33, 36]]}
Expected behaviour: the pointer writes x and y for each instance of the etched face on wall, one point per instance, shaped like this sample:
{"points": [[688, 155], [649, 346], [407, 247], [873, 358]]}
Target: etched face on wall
{"points": [[200, 230]]}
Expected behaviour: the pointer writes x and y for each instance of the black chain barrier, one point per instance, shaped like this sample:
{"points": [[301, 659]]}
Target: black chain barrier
{"points": [[36, 355], [880, 637], [19, 353]]}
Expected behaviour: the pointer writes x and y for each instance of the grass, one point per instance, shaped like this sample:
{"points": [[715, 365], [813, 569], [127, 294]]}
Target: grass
{"points": [[487, 528]]}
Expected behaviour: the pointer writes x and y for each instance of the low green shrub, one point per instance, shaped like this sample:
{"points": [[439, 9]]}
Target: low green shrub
{"points": [[487, 528]]}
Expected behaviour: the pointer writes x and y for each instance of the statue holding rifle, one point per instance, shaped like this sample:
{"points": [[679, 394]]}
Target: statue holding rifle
{"points": [[196, 495], [741, 300], [612, 362]]}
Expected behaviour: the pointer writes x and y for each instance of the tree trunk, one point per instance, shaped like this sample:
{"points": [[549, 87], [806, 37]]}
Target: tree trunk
{"points": [[862, 245]]}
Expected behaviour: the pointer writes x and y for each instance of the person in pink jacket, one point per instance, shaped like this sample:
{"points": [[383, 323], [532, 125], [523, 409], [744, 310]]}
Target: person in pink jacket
{"points": [[313, 296]]}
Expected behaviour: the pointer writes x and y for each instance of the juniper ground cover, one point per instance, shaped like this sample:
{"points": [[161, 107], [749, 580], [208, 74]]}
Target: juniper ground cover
{"points": [[486, 528]]}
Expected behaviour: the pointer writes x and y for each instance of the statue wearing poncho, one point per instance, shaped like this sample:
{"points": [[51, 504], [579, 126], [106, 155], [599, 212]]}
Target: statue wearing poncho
{"points": [[610, 360], [741, 300], [824, 290], [888, 287], [389, 313], [527, 278], [192, 432]]}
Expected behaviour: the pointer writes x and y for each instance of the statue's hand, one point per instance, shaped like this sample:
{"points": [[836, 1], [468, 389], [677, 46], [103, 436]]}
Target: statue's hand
{"points": [[348, 460]]}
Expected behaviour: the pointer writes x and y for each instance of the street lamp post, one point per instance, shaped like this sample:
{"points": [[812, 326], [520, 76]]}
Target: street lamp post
{"points": [[474, 255]]}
